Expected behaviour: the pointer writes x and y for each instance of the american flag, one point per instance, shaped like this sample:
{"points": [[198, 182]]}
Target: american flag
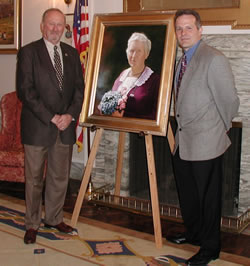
{"points": [[80, 41]]}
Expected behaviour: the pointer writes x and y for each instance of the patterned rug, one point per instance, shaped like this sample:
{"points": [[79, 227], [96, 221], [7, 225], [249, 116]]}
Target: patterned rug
{"points": [[88, 243]]}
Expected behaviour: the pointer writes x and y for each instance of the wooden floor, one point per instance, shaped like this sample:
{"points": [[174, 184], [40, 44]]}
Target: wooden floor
{"points": [[233, 243]]}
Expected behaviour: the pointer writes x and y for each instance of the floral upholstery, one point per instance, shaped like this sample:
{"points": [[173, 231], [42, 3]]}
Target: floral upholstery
{"points": [[11, 148]]}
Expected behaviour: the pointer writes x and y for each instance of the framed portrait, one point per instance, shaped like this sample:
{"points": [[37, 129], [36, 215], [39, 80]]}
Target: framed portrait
{"points": [[129, 74], [10, 26], [68, 31]]}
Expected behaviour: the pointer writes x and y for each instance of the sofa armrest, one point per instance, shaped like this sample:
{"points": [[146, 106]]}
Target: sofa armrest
{"points": [[6, 142]]}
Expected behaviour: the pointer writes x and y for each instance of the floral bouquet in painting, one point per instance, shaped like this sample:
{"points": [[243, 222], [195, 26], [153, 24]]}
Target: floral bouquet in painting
{"points": [[113, 102]]}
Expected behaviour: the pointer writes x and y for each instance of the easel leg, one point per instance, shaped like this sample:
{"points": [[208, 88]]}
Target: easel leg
{"points": [[86, 176], [153, 191], [171, 140], [120, 153]]}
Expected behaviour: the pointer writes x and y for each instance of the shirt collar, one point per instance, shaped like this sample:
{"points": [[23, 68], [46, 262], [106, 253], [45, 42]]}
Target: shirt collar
{"points": [[50, 45], [189, 53]]}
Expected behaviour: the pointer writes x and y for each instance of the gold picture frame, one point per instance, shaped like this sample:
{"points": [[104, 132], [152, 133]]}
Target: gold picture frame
{"points": [[111, 32], [215, 12], [146, 5], [10, 26]]}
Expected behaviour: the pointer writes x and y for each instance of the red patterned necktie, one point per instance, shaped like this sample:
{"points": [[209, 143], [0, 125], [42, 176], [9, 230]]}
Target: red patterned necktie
{"points": [[182, 71], [58, 67]]}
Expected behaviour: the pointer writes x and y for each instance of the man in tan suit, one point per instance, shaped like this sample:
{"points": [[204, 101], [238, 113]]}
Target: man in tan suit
{"points": [[205, 104], [50, 86]]}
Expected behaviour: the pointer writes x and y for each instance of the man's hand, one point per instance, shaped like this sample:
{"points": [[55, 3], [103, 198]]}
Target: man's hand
{"points": [[55, 119], [62, 121]]}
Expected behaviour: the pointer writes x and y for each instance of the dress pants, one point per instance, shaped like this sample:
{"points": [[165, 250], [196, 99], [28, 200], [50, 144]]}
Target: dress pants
{"points": [[56, 161], [199, 185]]}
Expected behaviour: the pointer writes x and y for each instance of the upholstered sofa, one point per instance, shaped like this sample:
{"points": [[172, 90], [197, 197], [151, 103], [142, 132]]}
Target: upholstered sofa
{"points": [[11, 149]]}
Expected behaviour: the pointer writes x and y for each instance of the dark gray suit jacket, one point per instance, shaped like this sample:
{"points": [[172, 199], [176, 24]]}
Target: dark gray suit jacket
{"points": [[38, 89], [207, 103]]}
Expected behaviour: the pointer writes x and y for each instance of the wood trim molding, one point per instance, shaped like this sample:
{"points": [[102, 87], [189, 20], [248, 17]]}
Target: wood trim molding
{"points": [[236, 15]]}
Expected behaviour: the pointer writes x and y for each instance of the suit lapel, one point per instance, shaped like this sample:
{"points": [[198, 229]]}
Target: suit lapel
{"points": [[177, 70], [46, 61], [189, 72], [66, 65]]}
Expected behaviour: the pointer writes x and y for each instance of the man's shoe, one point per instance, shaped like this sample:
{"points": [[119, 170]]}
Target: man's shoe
{"points": [[181, 239], [62, 227], [178, 239], [203, 257], [30, 236]]}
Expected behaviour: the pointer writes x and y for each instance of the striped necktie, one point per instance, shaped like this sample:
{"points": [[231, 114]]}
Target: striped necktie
{"points": [[182, 71], [58, 67]]}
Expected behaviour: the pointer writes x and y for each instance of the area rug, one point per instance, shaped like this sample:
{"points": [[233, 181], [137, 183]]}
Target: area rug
{"points": [[89, 244]]}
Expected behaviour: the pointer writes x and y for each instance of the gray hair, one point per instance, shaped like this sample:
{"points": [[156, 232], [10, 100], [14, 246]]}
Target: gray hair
{"points": [[136, 36], [50, 10]]}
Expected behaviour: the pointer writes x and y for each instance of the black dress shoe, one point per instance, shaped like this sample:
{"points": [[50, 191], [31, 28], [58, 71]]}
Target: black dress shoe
{"points": [[203, 257], [177, 239], [62, 227], [181, 239], [30, 236]]}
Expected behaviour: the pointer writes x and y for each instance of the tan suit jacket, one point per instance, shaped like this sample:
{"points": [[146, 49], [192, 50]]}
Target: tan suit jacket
{"points": [[207, 103]]}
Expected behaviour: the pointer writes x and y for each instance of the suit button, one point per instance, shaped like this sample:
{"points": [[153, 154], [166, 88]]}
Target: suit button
{"points": [[178, 115], [180, 129]]}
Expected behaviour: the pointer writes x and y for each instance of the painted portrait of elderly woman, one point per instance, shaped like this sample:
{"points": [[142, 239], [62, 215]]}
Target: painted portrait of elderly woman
{"points": [[135, 90], [129, 73]]}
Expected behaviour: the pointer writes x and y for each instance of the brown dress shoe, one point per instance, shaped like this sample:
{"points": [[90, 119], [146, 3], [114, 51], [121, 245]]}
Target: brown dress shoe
{"points": [[62, 227], [30, 236]]}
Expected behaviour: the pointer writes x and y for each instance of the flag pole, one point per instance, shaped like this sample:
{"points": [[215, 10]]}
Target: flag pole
{"points": [[80, 41], [90, 185]]}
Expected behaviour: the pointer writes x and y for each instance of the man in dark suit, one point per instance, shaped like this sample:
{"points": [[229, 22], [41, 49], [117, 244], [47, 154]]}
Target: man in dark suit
{"points": [[50, 85], [205, 104]]}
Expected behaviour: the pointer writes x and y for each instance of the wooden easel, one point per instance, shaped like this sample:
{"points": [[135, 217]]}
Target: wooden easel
{"points": [[151, 173]]}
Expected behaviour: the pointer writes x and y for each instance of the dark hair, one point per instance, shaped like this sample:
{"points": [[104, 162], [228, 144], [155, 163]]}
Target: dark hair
{"points": [[189, 12]]}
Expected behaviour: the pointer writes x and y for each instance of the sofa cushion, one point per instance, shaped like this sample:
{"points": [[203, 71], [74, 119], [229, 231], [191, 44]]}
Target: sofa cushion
{"points": [[12, 158], [10, 120], [12, 174], [5, 142]]}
